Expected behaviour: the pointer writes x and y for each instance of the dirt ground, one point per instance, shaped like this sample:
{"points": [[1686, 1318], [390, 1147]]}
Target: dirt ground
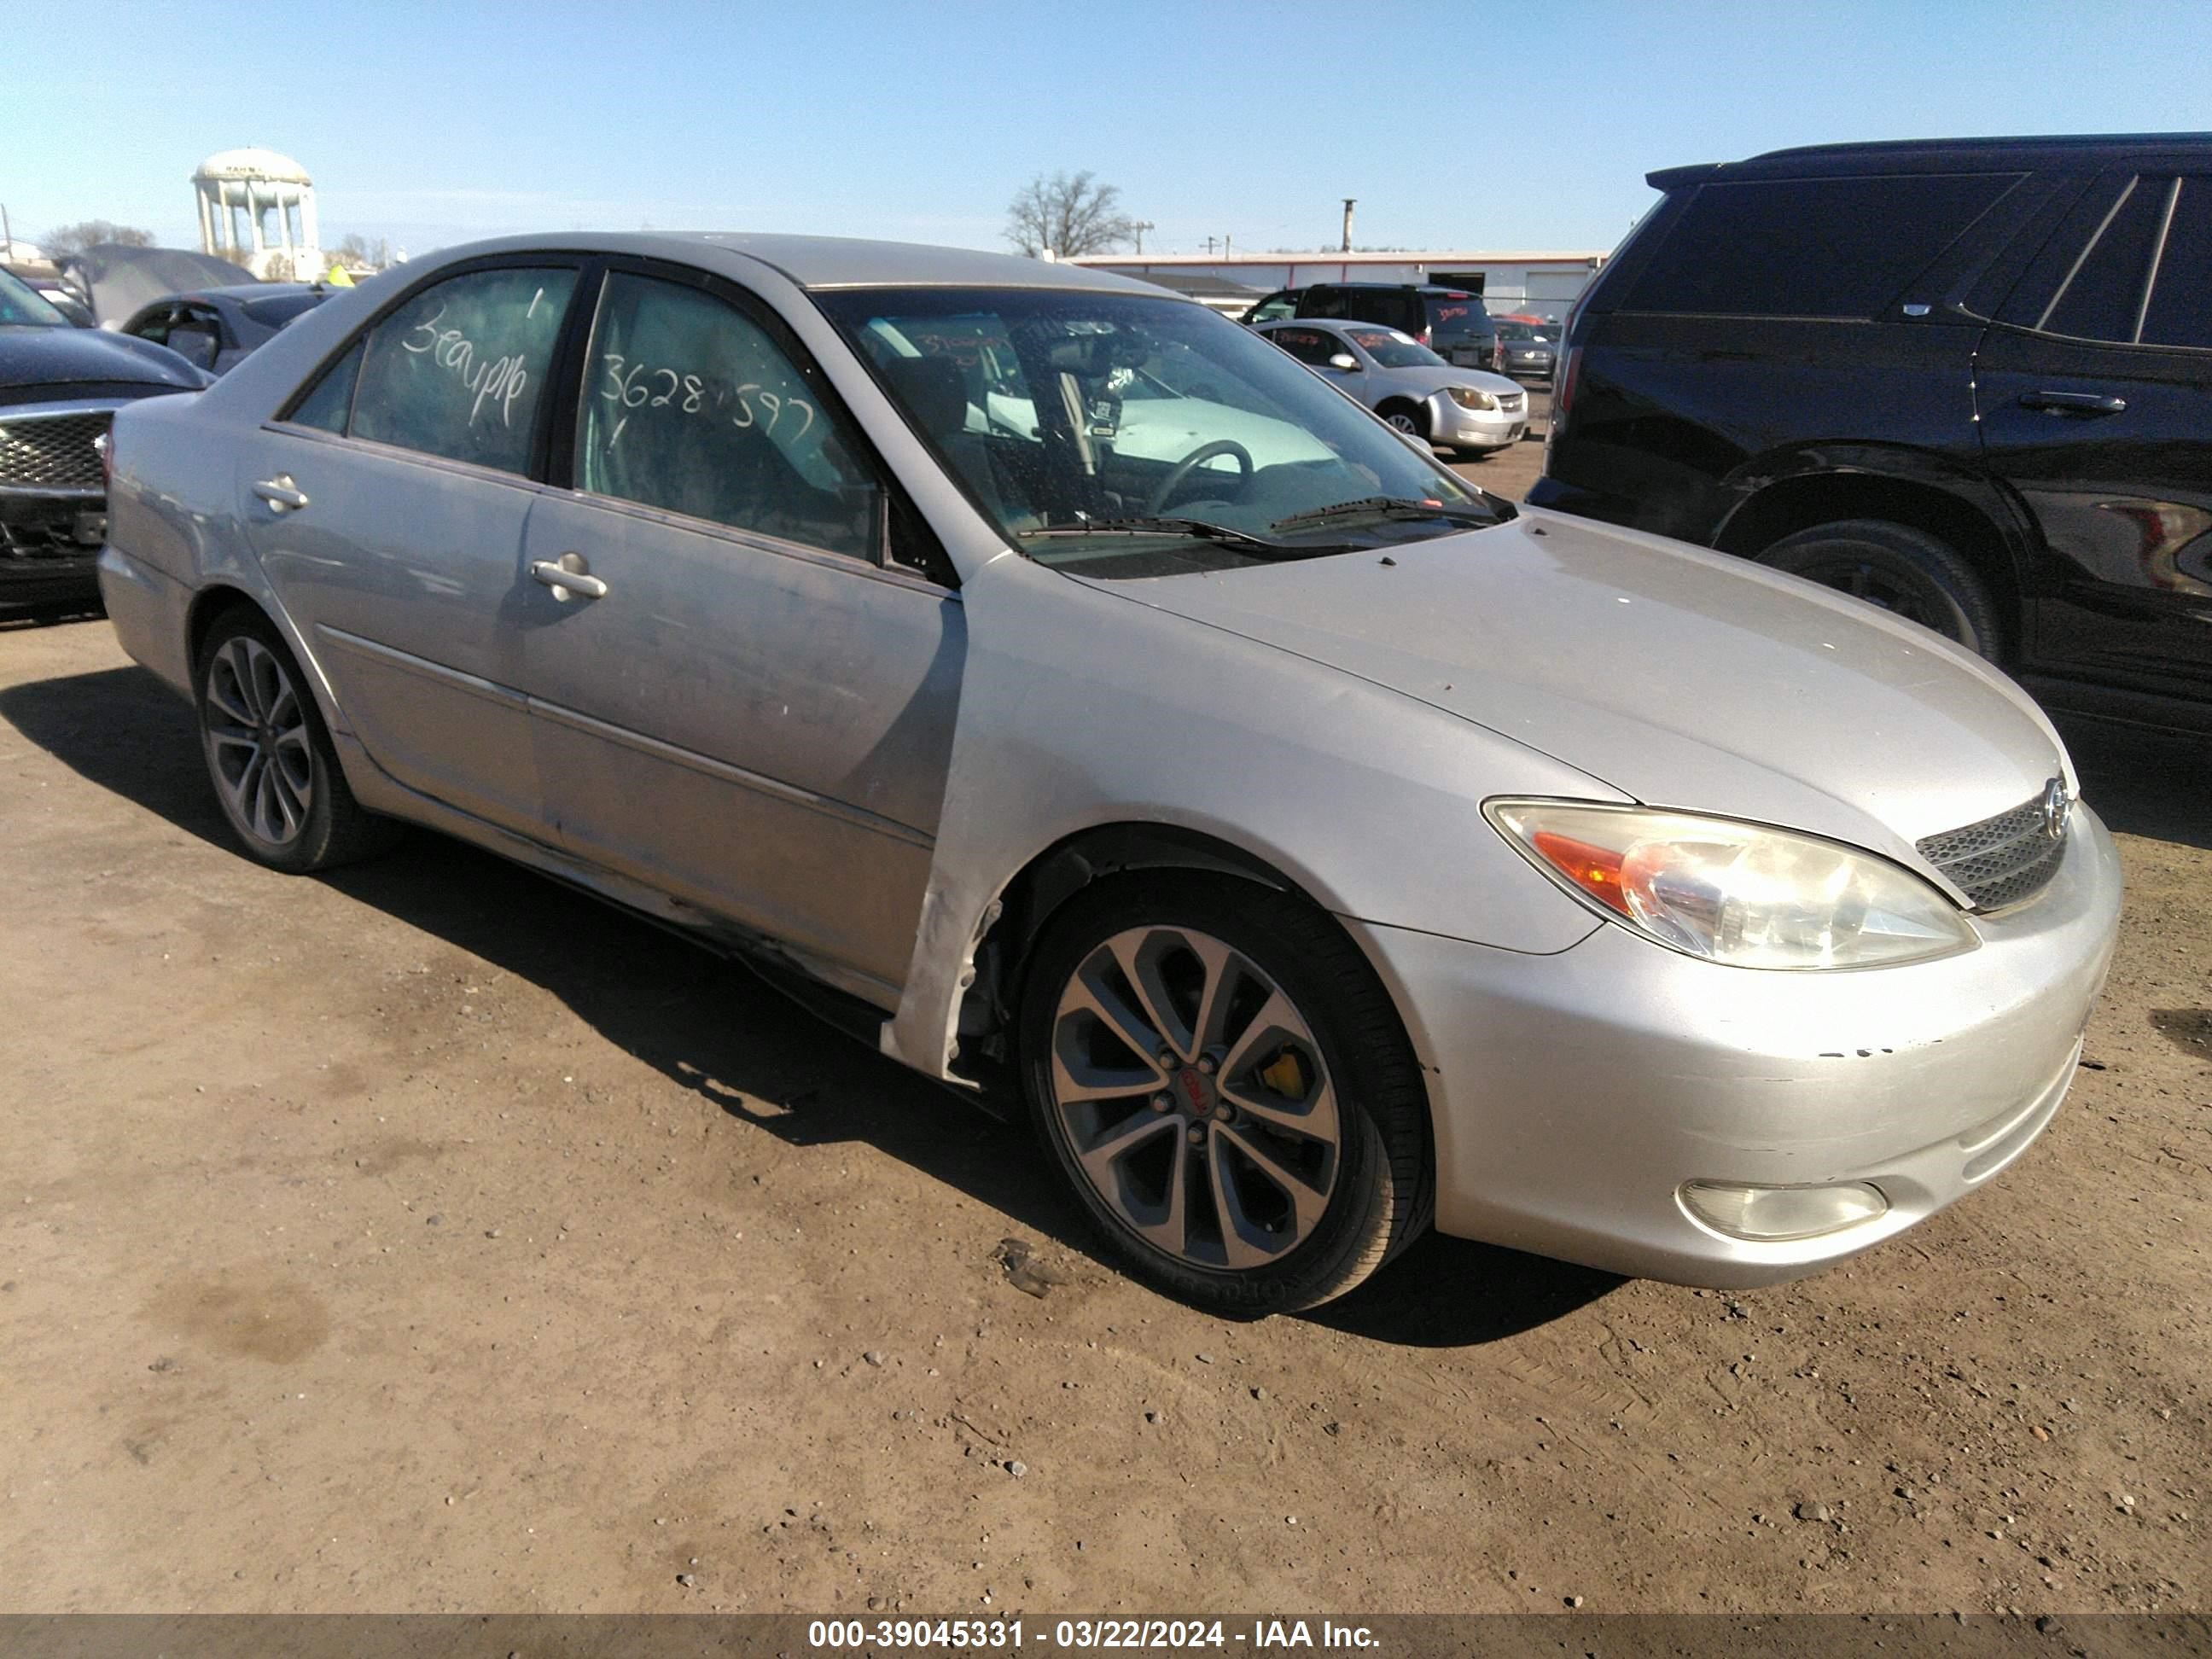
{"points": [[429, 1238]]}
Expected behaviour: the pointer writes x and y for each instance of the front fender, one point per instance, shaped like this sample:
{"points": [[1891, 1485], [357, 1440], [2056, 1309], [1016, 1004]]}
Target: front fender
{"points": [[1079, 709]]}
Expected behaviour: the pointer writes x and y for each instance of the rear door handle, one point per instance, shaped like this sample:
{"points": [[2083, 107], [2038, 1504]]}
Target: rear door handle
{"points": [[567, 578], [281, 494], [2073, 403]]}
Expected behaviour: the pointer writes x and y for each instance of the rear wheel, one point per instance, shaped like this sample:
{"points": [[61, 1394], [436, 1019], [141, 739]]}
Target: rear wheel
{"points": [[1903, 570], [269, 757], [1225, 1084]]}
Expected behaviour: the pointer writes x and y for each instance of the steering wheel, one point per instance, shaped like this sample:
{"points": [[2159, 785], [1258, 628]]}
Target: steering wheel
{"points": [[1197, 458]]}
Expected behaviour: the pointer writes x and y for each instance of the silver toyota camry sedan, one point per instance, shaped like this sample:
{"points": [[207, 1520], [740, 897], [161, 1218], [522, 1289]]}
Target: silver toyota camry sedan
{"points": [[1063, 686]]}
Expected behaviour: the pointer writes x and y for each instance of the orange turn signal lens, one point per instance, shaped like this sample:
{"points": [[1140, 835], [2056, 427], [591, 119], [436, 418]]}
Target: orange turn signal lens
{"points": [[1595, 870]]}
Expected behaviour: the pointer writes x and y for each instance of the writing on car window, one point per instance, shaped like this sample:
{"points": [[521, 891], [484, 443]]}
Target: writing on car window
{"points": [[690, 406], [458, 370]]}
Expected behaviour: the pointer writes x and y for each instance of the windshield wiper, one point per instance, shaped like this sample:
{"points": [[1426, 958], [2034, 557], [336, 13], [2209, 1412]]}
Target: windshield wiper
{"points": [[1388, 507], [1197, 529]]}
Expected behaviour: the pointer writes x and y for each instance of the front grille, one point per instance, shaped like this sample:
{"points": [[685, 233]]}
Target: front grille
{"points": [[2000, 861], [1511, 400], [52, 452]]}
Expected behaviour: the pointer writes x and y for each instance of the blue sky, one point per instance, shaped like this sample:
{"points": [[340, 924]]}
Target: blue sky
{"points": [[1457, 125]]}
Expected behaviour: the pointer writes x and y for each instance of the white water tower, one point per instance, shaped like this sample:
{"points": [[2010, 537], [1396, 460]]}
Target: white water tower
{"points": [[258, 210]]}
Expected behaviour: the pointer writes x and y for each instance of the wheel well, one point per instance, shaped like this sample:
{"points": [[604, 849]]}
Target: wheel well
{"points": [[1027, 903], [208, 606], [1795, 504]]}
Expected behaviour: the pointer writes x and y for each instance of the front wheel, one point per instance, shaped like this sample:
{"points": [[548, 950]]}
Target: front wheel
{"points": [[1226, 1086], [269, 758], [1899, 568], [1408, 418]]}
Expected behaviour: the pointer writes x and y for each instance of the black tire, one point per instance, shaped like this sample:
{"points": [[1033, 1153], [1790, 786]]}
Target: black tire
{"points": [[305, 800], [1411, 419], [1903, 570], [1382, 1194]]}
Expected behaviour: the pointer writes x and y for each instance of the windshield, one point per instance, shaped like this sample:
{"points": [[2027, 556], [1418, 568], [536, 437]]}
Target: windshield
{"points": [[1519, 331], [1130, 435], [21, 304], [1394, 350]]}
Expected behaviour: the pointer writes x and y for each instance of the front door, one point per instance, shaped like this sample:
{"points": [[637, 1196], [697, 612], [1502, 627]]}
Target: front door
{"points": [[387, 507], [2095, 394], [740, 701]]}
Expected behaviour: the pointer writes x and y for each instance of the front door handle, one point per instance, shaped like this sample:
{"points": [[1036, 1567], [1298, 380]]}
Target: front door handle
{"points": [[281, 494], [568, 577], [2073, 403]]}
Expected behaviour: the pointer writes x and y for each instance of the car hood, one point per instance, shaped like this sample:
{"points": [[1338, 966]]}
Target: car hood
{"points": [[1681, 677], [61, 357]]}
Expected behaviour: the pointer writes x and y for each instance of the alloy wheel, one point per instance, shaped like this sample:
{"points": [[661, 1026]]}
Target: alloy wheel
{"points": [[1195, 1098], [258, 746]]}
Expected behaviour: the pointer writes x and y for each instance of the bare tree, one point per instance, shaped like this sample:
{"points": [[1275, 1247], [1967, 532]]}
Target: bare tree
{"points": [[1071, 214], [65, 240], [357, 250]]}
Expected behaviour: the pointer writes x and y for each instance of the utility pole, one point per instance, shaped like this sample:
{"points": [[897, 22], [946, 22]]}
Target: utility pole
{"points": [[1140, 228], [1209, 244], [1224, 245], [1350, 202], [7, 234]]}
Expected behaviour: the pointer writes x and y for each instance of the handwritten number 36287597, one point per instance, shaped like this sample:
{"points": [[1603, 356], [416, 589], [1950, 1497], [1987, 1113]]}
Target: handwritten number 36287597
{"points": [[640, 386]]}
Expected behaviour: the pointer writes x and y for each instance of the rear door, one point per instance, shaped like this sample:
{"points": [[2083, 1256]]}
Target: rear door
{"points": [[743, 698], [386, 504], [2095, 391]]}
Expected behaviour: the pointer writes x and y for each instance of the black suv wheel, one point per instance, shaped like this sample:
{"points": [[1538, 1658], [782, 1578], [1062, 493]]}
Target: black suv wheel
{"points": [[1905, 571]]}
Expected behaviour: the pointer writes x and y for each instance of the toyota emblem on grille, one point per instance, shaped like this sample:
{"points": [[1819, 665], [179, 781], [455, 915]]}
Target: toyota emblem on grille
{"points": [[2057, 808]]}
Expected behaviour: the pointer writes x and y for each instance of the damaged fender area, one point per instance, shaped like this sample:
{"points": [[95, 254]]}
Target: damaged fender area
{"points": [[1081, 710]]}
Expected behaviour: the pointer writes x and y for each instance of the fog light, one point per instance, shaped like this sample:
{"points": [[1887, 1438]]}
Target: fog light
{"points": [[1771, 1215]]}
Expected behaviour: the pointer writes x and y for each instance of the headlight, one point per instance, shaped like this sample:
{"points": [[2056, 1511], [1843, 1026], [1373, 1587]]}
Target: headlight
{"points": [[1467, 398], [1736, 893]]}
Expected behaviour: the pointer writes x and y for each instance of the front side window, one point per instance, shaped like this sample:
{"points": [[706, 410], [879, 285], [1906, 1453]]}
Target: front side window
{"points": [[1274, 306], [459, 370], [690, 405], [2180, 309], [2103, 296], [1134, 436]]}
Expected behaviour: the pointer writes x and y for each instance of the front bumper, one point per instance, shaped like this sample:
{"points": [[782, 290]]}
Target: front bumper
{"points": [[1573, 1095], [1457, 426], [48, 547]]}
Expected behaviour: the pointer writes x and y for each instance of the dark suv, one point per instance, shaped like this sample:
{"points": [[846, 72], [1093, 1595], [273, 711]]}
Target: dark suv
{"points": [[1449, 321], [1970, 381]]}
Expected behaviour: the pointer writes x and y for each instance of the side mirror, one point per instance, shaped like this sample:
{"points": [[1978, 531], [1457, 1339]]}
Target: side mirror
{"points": [[1344, 359]]}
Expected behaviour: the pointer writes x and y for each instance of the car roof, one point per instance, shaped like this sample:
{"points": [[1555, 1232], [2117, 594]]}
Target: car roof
{"points": [[826, 262], [1403, 288], [1940, 156]]}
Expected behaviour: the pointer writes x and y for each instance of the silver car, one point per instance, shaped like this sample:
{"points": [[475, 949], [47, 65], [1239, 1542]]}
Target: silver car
{"points": [[1064, 688], [1469, 411]]}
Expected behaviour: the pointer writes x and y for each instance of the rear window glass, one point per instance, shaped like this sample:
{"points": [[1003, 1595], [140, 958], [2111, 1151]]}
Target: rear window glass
{"points": [[1818, 248], [1457, 314], [279, 309]]}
